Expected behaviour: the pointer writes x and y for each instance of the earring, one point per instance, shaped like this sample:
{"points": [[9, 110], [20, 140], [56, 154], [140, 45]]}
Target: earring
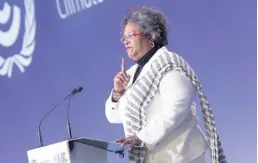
{"points": [[151, 43]]}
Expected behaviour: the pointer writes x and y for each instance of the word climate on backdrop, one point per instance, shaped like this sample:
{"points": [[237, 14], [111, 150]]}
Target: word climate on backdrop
{"points": [[66, 8]]}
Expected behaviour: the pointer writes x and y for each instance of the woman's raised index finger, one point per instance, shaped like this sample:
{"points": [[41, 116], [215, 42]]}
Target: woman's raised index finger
{"points": [[123, 65]]}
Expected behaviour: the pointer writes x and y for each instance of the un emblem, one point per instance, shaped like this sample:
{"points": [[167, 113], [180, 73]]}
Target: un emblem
{"points": [[22, 58]]}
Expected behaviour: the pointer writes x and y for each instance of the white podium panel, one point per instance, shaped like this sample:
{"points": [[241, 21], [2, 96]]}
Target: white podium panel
{"points": [[54, 153]]}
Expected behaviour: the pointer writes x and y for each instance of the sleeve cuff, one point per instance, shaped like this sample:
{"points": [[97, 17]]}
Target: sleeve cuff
{"points": [[111, 103]]}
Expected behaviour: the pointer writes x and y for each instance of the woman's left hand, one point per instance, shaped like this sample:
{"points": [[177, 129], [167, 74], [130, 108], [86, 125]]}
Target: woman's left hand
{"points": [[131, 141]]}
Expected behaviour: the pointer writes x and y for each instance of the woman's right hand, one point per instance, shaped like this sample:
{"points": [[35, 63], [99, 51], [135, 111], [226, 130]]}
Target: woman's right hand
{"points": [[121, 79]]}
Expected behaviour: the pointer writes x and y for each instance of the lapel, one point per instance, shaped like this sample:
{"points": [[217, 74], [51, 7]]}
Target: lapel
{"points": [[148, 64], [133, 70]]}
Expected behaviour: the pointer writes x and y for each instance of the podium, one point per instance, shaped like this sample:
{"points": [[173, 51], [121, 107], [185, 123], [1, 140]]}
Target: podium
{"points": [[79, 150]]}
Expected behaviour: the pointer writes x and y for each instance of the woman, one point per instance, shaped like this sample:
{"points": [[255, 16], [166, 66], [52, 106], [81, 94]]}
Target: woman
{"points": [[153, 99]]}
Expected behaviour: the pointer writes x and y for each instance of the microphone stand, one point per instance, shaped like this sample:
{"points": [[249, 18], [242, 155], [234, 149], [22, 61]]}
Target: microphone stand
{"points": [[39, 129], [68, 113], [68, 118]]}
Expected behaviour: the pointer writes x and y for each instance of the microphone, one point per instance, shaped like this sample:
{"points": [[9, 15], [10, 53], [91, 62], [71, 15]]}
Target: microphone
{"points": [[39, 131], [79, 90], [68, 112]]}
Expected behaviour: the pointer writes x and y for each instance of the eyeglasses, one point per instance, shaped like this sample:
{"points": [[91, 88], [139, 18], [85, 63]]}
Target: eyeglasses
{"points": [[130, 36]]}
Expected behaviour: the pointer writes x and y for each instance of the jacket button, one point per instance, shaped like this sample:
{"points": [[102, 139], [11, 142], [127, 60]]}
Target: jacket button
{"points": [[113, 108]]}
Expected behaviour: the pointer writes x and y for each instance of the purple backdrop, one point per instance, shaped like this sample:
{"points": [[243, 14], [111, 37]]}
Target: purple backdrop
{"points": [[75, 46]]}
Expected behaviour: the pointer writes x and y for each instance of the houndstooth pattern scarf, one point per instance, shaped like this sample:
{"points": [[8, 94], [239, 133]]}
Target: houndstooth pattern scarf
{"points": [[144, 90]]}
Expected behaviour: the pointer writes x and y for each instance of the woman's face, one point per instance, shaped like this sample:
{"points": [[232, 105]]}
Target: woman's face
{"points": [[136, 43]]}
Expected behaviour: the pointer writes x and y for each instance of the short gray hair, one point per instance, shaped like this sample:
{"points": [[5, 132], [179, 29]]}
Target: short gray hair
{"points": [[150, 21]]}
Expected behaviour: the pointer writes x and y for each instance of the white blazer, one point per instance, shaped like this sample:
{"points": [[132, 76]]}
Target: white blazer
{"points": [[171, 134]]}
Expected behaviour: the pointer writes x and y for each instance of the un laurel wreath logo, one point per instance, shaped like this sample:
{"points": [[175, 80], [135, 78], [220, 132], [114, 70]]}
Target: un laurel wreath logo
{"points": [[23, 58]]}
